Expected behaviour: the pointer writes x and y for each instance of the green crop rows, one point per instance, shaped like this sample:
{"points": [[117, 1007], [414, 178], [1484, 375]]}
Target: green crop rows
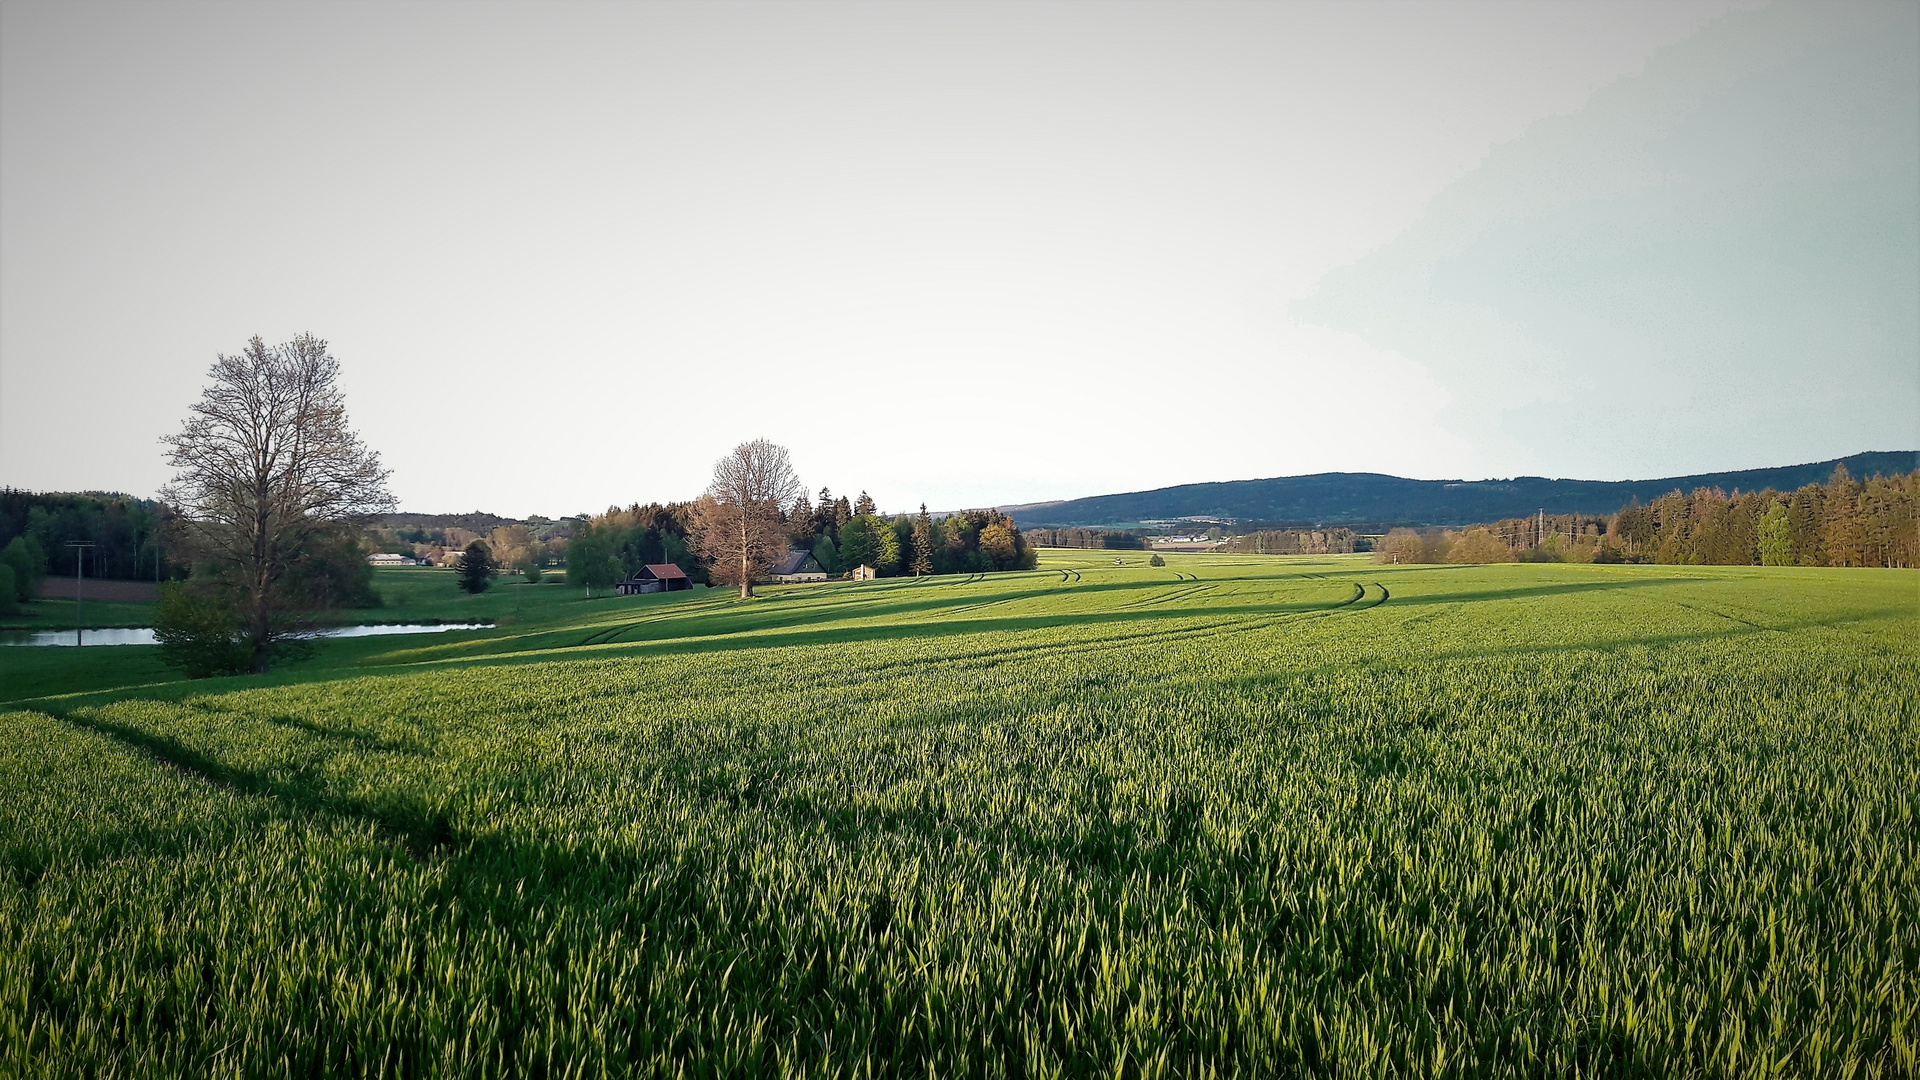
{"points": [[1237, 816]]}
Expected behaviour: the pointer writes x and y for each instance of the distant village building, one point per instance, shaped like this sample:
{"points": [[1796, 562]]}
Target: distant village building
{"points": [[799, 566], [385, 559], [863, 572], [656, 577]]}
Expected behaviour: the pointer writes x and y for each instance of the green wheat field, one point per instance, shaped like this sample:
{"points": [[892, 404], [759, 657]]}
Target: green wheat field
{"points": [[1238, 816]]}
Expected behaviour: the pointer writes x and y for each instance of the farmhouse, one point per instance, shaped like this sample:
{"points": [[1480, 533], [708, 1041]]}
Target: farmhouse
{"points": [[656, 577], [799, 566]]}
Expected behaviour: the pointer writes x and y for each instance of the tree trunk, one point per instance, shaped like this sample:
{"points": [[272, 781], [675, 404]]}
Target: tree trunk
{"points": [[746, 564], [260, 623]]}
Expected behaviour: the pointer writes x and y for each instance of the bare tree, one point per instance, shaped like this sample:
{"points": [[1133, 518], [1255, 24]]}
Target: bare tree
{"points": [[736, 525], [264, 458]]}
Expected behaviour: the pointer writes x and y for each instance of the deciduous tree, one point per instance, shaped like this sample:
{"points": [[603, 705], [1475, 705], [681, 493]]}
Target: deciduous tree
{"points": [[997, 541], [736, 526], [867, 540], [1479, 546], [1776, 537], [1806, 512], [1400, 546], [591, 562], [265, 458], [29, 565]]}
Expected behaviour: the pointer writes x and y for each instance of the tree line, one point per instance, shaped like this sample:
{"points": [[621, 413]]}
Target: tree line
{"points": [[843, 535], [1097, 539], [613, 546], [1843, 522], [137, 539], [1293, 542], [127, 533], [839, 532]]}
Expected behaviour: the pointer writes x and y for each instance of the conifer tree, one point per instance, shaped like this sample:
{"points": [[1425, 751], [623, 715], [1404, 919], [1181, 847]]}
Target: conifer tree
{"points": [[1806, 513], [824, 523], [800, 520], [1843, 534], [476, 567], [922, 543], [863, 506], [826, 554]]}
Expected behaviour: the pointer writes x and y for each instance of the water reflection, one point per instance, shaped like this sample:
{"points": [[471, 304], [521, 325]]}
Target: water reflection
{"points": [[143, 635]]}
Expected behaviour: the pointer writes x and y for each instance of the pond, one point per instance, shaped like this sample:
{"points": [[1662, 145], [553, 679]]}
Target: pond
{"points": [[143, 635]]}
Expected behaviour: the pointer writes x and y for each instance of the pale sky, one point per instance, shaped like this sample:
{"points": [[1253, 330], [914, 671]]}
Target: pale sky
{"points": [[568, 255]]}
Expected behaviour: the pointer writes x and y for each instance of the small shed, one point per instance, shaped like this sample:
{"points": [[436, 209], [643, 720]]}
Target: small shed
{"points": [[656, 577], [799, 566], [863, 572]]}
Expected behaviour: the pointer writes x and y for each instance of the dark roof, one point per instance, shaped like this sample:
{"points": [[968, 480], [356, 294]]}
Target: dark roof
{"points": [[662, 571], [795, 559]]}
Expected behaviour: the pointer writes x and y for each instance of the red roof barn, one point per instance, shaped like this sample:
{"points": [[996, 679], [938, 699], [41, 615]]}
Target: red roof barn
{"points": [[656, 577]]}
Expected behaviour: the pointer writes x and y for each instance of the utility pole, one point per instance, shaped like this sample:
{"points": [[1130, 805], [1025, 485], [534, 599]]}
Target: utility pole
{"points": [[80, 549]]}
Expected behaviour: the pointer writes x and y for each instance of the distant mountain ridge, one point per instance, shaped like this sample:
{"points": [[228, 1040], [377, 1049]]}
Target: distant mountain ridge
{"points": [[1376, 498]]}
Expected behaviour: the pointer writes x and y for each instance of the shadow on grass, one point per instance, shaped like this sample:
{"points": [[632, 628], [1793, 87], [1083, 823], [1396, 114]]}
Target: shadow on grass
{"points": [[720, 632], [405, 818]]}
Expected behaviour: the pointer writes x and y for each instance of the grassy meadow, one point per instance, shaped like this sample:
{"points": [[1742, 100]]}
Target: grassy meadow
{"points": [[1237, 816]]}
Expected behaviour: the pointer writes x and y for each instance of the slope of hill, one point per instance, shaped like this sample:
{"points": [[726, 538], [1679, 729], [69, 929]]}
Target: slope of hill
{"points": [[1374, 498], [880, 826]]}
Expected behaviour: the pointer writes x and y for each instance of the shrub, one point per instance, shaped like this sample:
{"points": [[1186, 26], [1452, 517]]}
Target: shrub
{"points": [[1156, 560], [200, 635]]}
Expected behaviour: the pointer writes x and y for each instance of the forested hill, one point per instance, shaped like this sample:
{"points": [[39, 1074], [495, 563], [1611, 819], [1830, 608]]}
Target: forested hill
{"points": [[1374, 498]]}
